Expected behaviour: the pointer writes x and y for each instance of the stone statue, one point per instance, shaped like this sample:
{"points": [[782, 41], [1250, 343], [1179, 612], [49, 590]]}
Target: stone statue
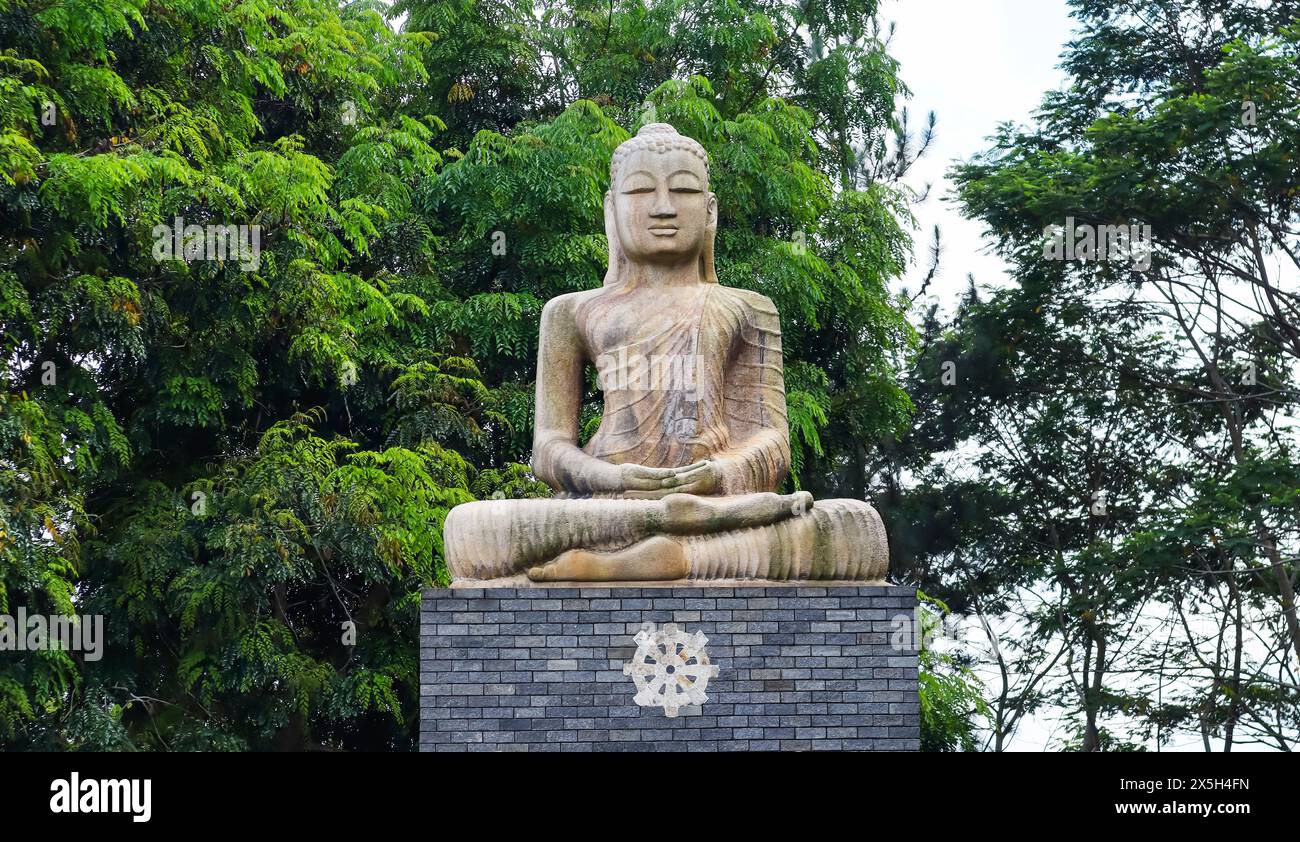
{"points": [[680, 480]]}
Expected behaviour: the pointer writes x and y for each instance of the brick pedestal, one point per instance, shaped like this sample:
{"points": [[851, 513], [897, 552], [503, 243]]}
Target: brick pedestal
{"points": [[538, 669]]}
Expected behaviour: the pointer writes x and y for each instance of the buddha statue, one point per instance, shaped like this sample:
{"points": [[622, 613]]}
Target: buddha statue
{"points": [[680, 481]]}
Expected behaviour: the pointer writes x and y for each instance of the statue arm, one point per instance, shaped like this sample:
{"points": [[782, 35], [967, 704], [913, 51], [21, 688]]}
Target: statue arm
{"points": [[759, 463], [755, 405], [557, 459]]}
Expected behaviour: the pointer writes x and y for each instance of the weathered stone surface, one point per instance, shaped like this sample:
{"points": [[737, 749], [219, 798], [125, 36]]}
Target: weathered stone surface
{"points": [[679, 482], [798, 668]]}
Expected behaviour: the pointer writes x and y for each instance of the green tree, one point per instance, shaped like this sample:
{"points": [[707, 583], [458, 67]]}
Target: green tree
{"points": [[794, 104], [952, 702], [229, 462], [1179, 371], [243, 461]]}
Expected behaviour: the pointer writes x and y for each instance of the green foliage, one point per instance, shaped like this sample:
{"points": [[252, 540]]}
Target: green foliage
{"points": [[243, 463], [824, 256], [160, 463], [952, 702]]}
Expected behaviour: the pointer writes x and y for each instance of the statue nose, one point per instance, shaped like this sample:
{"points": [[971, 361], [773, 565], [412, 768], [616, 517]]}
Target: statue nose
{"points": [[663, 207]]}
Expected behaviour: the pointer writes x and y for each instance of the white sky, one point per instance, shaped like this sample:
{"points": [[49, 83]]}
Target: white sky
{"points": [[975, 63]]}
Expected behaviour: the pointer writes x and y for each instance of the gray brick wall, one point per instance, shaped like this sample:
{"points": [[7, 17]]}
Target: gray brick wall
{"points": [[541, 669]]}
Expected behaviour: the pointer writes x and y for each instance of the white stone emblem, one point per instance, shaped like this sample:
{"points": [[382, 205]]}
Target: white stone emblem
{"points": [[670, 668]]}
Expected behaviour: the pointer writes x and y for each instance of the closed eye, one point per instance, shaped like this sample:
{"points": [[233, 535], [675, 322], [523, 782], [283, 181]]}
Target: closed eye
{"points": [[685, 190], [636, 190]]}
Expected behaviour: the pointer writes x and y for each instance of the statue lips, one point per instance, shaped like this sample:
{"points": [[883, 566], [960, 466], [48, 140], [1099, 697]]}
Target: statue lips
{"points": [[663, 230]]}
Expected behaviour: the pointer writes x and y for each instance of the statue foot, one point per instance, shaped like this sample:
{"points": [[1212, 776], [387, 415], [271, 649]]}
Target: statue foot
{"points": [[690, 513], [653, 559]]}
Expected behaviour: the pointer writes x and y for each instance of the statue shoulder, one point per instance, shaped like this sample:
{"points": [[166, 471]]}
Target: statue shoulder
{"points": [[758, 308], [566, 302], [564, 308]]}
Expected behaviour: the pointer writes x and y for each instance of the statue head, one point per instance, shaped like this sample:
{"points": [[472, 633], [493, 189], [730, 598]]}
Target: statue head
{"points": [[659, 209]]}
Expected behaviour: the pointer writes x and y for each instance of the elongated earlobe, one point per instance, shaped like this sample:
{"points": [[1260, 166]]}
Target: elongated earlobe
{"points": [[614, 271], [708, 273]]}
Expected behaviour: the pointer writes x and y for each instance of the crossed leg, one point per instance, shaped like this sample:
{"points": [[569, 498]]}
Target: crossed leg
{"points": [[659, 557]]}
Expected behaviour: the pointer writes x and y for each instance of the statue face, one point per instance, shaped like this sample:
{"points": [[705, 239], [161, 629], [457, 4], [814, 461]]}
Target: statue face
{"points": [[662, 208]]}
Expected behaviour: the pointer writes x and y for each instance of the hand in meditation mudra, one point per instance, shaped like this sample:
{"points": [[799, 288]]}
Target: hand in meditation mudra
{"points": [[679, 481]]}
